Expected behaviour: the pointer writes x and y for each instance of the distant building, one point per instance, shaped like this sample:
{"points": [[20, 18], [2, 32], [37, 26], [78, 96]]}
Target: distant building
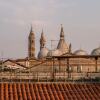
{"points": [[44, 68], [61, 48], [31, 44]]}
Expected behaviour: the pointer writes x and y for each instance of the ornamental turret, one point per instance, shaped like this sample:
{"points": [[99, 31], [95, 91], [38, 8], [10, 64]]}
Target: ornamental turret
{"points": [[43, 50], [42, 41], [62, 45]]}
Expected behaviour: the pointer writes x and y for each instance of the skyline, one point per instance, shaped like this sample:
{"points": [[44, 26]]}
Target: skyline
{"points": [[80, 20]]}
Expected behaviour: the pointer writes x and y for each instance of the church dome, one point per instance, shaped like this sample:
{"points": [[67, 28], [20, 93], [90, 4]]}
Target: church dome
{"points": [[96, 51], [80, 52], [54, 53], [43, 53]]}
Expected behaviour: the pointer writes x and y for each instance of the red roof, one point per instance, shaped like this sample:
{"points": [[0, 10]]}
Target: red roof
{"points": [[49, 91]]}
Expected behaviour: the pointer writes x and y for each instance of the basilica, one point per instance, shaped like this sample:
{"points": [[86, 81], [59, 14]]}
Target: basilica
{"points": [[60, 63], [62, 48]]}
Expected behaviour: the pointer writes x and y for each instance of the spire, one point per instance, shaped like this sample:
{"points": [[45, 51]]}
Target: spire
{"points": [[42, 35], [62, 32], [62, 28], [70, 48], [31, 34], [42, 30], [42, 40], [31, 31]]}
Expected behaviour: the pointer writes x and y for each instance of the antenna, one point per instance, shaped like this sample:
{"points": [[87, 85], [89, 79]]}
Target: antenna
{"points": [[52, 45]]}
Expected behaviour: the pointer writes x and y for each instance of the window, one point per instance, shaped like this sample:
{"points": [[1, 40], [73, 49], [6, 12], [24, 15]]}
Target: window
{"points": [[69, 69], [79, 69]]}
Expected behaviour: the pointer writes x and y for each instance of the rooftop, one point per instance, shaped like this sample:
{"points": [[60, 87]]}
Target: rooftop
{"points": [[49, 91]]}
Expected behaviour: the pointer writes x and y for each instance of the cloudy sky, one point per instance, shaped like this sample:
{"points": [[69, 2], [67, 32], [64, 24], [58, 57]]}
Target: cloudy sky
{"points": [[80, 19]]}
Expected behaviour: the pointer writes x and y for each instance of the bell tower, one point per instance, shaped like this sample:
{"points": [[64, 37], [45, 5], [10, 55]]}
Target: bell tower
{"points": [[31, 44]]}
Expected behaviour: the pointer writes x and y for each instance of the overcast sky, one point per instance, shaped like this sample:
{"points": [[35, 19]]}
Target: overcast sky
{"points": [[80, 19]]}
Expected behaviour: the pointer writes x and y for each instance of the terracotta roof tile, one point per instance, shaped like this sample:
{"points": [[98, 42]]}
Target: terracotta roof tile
{"points": [[49, 91]]}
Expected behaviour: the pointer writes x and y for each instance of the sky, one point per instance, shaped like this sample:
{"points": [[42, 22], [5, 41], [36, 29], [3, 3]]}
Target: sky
{"points": [[80, 19]]}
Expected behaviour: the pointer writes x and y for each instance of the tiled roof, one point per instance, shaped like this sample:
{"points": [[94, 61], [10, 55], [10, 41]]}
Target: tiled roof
{"points": [[13, 61], [49, 91]]}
